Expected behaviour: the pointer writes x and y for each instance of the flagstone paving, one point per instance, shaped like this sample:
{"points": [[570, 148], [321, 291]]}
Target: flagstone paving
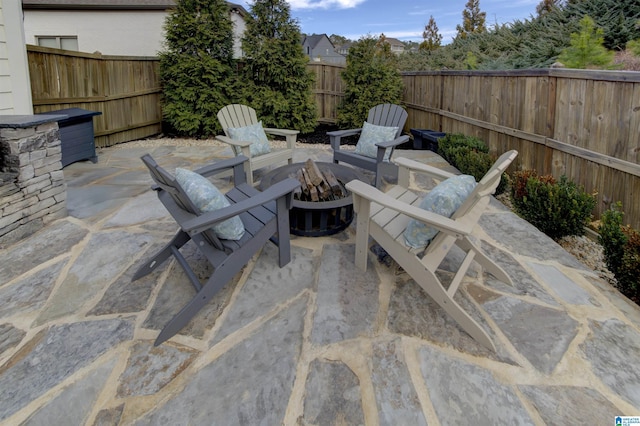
{"points": [[315, 342]]}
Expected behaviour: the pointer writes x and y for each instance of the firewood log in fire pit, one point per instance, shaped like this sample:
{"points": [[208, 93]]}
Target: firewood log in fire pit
{"points": [[317, 185]]}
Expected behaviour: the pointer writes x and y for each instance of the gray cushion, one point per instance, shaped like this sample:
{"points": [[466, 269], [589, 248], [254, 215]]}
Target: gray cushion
{"points": [[206, 197], [444, 200], [370, 136], [254, 134]]}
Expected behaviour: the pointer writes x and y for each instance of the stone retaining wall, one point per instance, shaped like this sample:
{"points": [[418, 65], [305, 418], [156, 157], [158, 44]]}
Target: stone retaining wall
{"points": [[32, 188]]}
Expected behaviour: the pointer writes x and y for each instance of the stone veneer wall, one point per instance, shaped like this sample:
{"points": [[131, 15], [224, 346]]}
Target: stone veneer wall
{"points": [[32, 188]]}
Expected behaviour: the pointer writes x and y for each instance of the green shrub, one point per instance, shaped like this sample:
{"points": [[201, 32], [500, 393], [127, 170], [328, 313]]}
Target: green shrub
{"points": [[621, 245], [556, 208], [448, 144], [470, 155], [197, 67], [276, 80], [370, 78]]}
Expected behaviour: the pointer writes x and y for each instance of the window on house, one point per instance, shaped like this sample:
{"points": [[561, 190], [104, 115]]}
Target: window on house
{"points": [[59, 42]]}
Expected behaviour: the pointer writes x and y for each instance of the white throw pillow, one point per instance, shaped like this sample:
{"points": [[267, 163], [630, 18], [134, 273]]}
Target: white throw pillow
{"points": [[444, 200], [254, 134], [370, 136], [206, 197]]}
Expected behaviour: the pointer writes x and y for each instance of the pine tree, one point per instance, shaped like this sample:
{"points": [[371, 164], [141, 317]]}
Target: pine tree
{"points": [[338, 40], [546, 6], [371, 78], [196, 67], [587, 48], [277, 82], [432, 39], [473, 20]]}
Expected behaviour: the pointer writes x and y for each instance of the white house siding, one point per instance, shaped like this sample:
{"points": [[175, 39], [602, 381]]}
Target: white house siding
{"points": [[239, 25], [15, 88], [123, 33], [127, 33]]}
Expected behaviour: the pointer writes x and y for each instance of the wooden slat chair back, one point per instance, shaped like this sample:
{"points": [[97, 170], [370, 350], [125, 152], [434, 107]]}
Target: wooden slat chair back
{"points": [[166, 182], [385, 216], [388, 115], [237, 115], [265, 216]]}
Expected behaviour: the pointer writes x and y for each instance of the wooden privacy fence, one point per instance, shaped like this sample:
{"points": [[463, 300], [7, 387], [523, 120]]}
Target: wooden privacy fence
{"points": [[328, 90], [584, 124], [126, 90]]}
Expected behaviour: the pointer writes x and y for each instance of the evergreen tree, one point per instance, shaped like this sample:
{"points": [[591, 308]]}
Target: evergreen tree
{"points": [[277, 82], [371, 78], [473, 20], [536, 42], [634, 45], [546, 6], [196, 68], [432, 39], [587, 48], [617, 18], [338, 40]]}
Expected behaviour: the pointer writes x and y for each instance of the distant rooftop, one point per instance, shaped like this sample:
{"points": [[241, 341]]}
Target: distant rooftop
{"points": [[110, 4]]}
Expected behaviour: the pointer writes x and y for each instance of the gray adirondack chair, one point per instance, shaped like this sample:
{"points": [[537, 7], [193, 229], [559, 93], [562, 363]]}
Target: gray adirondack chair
{"points": [[384, 217], [237, 115], [265, 216], [389, 115]]}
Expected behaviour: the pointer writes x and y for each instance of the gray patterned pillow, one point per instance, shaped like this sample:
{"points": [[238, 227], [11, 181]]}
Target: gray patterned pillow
{"points": [[444, 200], [206, 197], [254, 134], [370, 136]]}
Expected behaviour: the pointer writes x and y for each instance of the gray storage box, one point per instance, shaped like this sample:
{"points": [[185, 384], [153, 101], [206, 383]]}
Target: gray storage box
{"points": [[426, 139], [76, 134]]}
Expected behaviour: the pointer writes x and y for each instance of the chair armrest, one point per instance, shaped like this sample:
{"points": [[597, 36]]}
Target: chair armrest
{"points": [[388, 144], [443, 223], [221, 166], [336, 136], [230, 141], [341, 133], [416, 166], [208, 219], [281, 132], [290, 135]]}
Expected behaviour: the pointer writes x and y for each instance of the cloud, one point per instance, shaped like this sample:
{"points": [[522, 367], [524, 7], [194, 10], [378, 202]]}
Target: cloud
{"points": [[323, 4]]}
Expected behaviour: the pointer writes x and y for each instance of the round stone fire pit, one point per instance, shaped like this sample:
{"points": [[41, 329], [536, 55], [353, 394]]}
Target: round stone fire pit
{"points": [[317, 218]]}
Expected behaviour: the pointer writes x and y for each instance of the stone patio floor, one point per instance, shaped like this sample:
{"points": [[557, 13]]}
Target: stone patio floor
{"points": [[317, 342]]}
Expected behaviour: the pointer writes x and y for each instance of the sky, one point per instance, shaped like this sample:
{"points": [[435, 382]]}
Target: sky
{"points": [[401, 19]]}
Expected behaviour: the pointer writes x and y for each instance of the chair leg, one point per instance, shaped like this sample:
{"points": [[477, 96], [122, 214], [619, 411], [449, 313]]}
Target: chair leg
{"points": [[179, 240], [222, 274], [430, 283], [378, 179], [363, 213], [220, 277], [434, 288], [488, 264], [284, 242]]}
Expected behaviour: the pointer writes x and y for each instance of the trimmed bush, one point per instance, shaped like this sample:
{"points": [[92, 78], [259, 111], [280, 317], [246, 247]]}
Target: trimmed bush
{"points": [[557, 208], [470, 155], [196, 67], [371, 78], [621, 245]]}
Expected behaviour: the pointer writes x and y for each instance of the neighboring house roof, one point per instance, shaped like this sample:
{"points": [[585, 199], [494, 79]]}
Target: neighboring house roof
{"points": [[112, 5], [344, 47], [314, 39], [98, 4], [394, 41]]}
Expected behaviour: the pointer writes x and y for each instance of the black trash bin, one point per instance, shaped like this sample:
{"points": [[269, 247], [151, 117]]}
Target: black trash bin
{"points": [[426, 139], [76, 134]]}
